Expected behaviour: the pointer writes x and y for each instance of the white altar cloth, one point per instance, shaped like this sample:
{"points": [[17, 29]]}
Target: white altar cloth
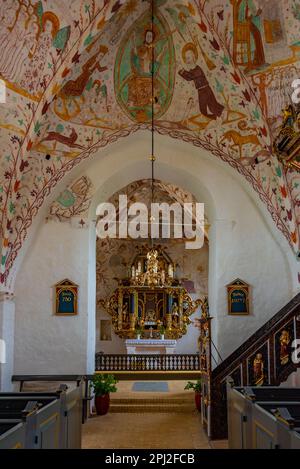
{"points": [[150, 346]]}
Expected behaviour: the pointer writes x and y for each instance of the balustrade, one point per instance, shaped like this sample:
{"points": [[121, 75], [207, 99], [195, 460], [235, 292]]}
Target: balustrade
{"points": [[147, 362]]}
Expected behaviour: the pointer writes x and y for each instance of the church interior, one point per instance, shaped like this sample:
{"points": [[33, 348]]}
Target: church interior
{"points": [[168, 104]]}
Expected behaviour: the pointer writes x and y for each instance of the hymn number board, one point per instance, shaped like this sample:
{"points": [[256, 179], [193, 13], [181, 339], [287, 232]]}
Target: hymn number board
{"points": [[66, 298], [238, 298]]}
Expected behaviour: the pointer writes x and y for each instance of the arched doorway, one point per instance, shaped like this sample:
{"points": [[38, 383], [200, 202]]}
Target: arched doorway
{"points": [[113, 258]]}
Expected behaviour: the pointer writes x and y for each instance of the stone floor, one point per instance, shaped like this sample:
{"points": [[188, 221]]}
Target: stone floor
{"points": [[150, 430]]}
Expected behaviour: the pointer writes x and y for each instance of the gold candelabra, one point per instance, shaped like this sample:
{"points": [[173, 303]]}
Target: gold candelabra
{"points": [[154, 274]]}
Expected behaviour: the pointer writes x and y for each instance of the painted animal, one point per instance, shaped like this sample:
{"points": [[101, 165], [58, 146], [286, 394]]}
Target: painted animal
{"points": [[57, 137], [238, 140], [258, 158]]}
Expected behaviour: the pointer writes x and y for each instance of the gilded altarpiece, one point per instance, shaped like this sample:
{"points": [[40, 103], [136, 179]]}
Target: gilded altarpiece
{"points": [[151, 302]]}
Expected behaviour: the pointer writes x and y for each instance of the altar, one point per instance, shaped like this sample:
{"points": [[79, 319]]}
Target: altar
{"points": [[150, 304], [150, 346]]}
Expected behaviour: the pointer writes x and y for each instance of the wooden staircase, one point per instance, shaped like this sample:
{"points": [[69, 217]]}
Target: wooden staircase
{"points": [[264, 359]]}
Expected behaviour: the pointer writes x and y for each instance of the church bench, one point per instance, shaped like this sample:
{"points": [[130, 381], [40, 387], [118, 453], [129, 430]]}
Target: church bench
{"points": [[272, 393], [56, 379], [262, 423], [17, 423], [43, 429], [274, 423], [58, 422], [22, 379], [295, 439], [12, 434]]}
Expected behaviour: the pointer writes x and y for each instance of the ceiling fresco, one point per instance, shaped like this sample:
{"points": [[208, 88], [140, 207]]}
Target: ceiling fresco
{"points": [[78, 77]]}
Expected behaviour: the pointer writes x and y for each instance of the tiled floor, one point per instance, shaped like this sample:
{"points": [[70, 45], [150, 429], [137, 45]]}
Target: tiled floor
{"points": [[159, 430], [149, 431]]}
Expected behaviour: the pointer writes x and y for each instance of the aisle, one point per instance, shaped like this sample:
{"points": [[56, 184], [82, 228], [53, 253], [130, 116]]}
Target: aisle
{"points": [[150, 420], [149, 431]]}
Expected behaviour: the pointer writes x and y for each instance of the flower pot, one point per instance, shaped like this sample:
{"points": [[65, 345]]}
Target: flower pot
{"points": [[102, 404], [198, 400], [162, 336], [138, 336]]}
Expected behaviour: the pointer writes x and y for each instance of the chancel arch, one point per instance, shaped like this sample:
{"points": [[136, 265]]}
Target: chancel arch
{"points": [[121, 262], [233, 252]]}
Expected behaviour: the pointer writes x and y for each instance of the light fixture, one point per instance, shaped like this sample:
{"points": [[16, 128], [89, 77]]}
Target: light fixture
{"points": [[152, 157]]}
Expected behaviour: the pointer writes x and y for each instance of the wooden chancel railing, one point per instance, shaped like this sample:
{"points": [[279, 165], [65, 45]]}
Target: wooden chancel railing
{"points": [[266, 358], [147, 363]]}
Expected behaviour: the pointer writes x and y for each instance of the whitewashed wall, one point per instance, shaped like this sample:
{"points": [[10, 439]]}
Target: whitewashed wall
{"points": [[244, 242], [45, 343]]}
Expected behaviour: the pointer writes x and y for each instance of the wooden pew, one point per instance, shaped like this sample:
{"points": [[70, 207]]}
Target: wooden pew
{"points": [[273, 424], [16, 423], [258, 417], [12, 434], [82, 382], [22, 379], [42, 429], [295, 439], [57, 421]]}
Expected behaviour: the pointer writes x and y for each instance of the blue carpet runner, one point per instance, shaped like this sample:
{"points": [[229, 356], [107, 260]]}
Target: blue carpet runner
{"points": [[149, 386]]}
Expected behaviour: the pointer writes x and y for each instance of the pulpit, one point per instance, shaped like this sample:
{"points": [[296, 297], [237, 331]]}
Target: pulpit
{"points": [[150, 346]]}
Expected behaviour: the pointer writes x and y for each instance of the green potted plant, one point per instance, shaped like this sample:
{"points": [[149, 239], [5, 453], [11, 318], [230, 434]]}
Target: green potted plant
{"points": [[162, 331], [102, 386], [197, 387]]}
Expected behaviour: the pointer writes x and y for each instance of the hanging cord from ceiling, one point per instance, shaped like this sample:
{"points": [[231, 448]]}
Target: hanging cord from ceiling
{"points": [[152, 157]]}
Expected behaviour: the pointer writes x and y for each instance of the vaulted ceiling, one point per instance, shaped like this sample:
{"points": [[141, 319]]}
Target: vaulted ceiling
{"points": [[78, 77]]}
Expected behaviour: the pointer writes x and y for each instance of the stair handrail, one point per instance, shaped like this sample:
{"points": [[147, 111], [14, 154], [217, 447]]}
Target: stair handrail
{"points": [[261, 334]]}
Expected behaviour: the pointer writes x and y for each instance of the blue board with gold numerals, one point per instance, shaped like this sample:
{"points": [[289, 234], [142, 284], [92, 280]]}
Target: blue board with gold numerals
{"points": [[238, 298], [66, 298]]}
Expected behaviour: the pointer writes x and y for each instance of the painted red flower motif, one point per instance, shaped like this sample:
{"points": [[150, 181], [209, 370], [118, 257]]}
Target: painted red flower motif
{"points": [[203, 27], [17, 186], [236, 77], [294, 237], [283, 192]]}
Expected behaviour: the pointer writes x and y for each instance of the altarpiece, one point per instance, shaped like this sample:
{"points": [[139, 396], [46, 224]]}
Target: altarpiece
{"points": [[151, 302]]}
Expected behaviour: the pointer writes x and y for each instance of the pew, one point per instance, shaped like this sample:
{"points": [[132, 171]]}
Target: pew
{"points": [[42, 429], [263, 417], [13, 433], [273, 424], [22, 379], [82, 382], [56, 422], [295, 439]]}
